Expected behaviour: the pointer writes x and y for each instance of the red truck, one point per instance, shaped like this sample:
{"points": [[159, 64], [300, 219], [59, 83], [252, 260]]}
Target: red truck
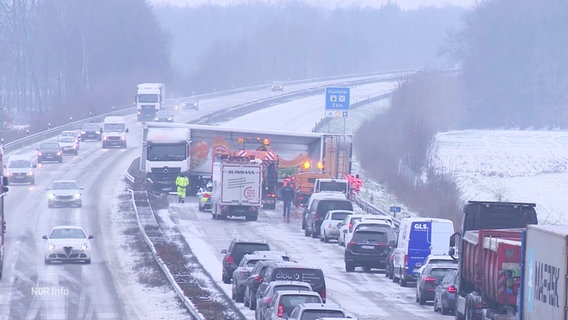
{"points": [[490, 254]]}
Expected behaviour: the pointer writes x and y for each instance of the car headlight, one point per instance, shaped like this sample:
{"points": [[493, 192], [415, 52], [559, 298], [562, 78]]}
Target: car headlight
{"points": [[58, 153], [122, 138], [84, 246], [51, 247], [77, 196], [8, 173], [39, 153], [31, 173], [156, 119], [51, 196]]}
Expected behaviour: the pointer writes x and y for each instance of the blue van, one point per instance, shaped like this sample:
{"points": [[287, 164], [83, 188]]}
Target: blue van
{"points": [[417, 239]]}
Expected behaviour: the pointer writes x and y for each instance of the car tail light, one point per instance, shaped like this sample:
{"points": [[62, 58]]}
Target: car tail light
{"points": [[267, 300], [280, 311], [272, 195], [206, 195], [452, 289], [350, 226], [406, 261], [316, 216], [351, 243], [430, 279], [230, 259], [258, 278], [323, 294]]}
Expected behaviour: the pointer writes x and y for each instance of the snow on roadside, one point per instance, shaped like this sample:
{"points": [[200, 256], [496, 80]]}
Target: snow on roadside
{"points": [[144, 301]]}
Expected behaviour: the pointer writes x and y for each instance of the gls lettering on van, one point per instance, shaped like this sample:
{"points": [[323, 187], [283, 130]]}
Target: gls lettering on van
{"points": [[421, 226], [287, 276]]}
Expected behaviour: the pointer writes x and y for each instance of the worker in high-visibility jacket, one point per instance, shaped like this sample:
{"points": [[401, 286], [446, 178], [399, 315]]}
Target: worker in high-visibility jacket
{"points": [[181, 182]]}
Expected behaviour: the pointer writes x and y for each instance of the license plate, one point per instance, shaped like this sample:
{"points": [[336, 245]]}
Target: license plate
{"points": [[367, 247]]}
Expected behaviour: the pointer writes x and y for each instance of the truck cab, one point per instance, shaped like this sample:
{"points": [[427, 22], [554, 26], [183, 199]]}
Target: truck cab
{"points": [[331, 185], [149, 99], [114, 132]]}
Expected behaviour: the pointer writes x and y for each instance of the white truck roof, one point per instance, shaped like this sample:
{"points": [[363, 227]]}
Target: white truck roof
{"points": [[167, 135], [114, 119], [150, 85]]}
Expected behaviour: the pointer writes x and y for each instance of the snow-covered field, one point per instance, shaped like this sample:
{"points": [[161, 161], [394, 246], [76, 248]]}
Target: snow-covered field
{"points": [[509, 165]]}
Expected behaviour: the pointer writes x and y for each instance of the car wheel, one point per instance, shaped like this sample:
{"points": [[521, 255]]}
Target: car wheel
{"points": [[233, 293], [60, 159], [314, 235], [325, 238], [422, 300], [306, 232], [246, 298], [252, 303], [402, 282], [200, 209], [443, 310], [226, 280], [435, 305], [349, 267]]}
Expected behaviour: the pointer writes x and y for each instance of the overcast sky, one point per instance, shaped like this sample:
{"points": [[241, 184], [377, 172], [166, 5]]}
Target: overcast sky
{"points": [[404, 4]]}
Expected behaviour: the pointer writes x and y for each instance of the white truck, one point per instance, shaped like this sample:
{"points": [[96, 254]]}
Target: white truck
{"points": [[237, 188], [165, 154], [150, 98]]}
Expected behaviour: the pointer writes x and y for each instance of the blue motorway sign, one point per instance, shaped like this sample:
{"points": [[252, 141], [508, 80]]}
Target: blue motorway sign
{"points": [[337, 102], [394, 209]]}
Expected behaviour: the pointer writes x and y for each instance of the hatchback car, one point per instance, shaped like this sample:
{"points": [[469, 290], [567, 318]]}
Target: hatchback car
{"points": [[242, 272], [332, 223], [20, 169], [67, 244], [430, 279], [71, 133], [445, 294], [64, 193], [277, 86], [164, 116], [283, 302], [369, 247], [347, 227], [191, 104], [434, 259], [49, 151], [312, 311], [266, 291], [91, 131], [68, 144], [237, 249]]}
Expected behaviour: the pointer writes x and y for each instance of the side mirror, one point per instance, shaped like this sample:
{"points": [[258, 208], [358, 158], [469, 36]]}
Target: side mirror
{"points": [[453, 239], [81, 188], [101, 130], [34, 165], [44, 237], [224, 251], [126, 130], [392, 243], [90, 237]]}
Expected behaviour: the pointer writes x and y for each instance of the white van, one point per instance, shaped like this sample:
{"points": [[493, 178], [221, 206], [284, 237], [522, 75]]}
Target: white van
{"points": [[114, 132], [20, 169], [417, 239]]}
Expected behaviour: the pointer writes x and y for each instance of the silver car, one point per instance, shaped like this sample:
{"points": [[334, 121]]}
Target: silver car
{"points": [[316, 310], [64, 193], [266, 292], [283, 302], [332, 223], [67, 244], [242, 272]]}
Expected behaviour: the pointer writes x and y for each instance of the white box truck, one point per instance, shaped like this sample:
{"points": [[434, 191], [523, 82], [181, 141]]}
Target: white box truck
{"points": [[149, 99], [237, 188]]}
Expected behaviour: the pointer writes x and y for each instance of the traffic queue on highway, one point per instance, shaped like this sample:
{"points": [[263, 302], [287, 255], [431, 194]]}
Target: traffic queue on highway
{"points": [[277, 287]]}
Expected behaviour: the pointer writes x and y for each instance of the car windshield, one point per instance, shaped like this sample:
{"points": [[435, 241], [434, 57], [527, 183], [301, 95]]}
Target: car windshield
{"points": [[316, 314], [370, 236], [67, 134], [49, 146], [440, 273], [19, 164], [339, 215], [91, 127], [67, 139], [64, 185], [114, 127], [291, 287], [288, 302], [67, 233], [252, 263], [166, 152]]}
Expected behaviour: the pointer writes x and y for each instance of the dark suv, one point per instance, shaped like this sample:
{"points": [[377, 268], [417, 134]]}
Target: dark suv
{"points": [[49, 151], [91, 131], [317, 210], [237, 249], [369, 247]]}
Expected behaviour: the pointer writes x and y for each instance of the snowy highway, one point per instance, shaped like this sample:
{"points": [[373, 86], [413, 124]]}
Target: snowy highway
{"points": [[107, 288]]}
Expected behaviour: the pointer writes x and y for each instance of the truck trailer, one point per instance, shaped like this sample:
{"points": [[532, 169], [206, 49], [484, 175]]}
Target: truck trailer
{"points": [[490, 248], [237, 187]]}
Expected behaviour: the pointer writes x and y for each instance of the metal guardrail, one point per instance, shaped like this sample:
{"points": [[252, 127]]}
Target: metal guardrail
{"points": [[149, 220], [372, 209]]}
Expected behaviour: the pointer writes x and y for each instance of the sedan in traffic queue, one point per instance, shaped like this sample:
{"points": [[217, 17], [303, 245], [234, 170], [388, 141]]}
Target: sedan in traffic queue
{"points": [[49, 151], [430, 278], [283, 302], [67, 244], [266, 291], [64, 193], [446, 293], [164, 116], [69, 145], [332, 223], [242, 272], [369, 247]]}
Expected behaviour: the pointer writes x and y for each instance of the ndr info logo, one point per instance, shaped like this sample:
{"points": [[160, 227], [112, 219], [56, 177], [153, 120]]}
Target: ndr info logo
{"points": [[50, 291]]}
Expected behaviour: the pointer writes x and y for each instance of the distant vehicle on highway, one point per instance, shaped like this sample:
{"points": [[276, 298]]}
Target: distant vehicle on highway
{"points": [[64, 193], [445, 294], [191, 104], [91, 131], [68, 144], [237, 249], [332, 223], [67, 244], [49, 151], [430, 278], [164, 116], [242, 272], [71, 133], [277, 86], [368, 247], [20, 169]]}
